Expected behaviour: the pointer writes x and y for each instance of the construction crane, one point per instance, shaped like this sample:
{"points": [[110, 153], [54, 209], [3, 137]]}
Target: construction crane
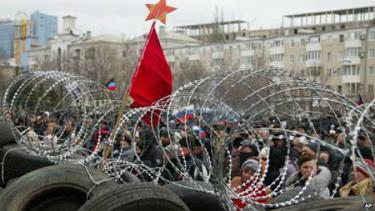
{"points": [[20, 36]]}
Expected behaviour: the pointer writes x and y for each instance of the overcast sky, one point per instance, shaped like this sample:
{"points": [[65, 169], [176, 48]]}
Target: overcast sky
{"points": [[127, 16]]}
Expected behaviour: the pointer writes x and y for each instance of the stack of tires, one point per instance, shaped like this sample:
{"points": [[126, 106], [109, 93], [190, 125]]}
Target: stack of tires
{"points": [[77, 187], [15, 160], [30, 182]]}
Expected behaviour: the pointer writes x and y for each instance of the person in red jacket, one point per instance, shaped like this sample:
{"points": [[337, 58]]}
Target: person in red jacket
{"points": [[100, 134], [249, 186]]}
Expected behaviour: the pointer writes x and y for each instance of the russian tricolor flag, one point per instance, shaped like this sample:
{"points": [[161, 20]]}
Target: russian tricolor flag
{"points": [[186, 114], [111, 85]]}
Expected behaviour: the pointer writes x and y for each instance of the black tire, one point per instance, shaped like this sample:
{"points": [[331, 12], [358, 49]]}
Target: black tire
{"points": [[60, 187], [342, 204], [128, 177], [17, 162], [194, 199], [142, 196], [6, 135]]}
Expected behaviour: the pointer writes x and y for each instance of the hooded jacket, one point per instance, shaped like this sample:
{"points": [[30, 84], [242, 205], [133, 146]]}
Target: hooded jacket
{"points": [[318, 183]]}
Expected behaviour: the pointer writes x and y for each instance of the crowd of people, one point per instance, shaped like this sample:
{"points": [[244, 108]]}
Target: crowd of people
{"points": [[267, 163]]}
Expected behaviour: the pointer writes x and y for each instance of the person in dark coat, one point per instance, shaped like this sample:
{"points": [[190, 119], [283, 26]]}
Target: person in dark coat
{"points": [[194, 166], [151, 152], [247, 150], [277, 155]]}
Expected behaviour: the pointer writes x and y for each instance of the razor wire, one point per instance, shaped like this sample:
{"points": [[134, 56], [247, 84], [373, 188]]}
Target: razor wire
{"points": [[241, 99]]}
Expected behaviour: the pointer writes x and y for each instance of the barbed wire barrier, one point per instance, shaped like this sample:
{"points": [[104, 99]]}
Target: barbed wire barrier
{"points": [[201, 119]]}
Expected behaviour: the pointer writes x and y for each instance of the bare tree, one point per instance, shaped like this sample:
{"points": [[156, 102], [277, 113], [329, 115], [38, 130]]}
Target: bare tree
{"points": [[189, 71]]}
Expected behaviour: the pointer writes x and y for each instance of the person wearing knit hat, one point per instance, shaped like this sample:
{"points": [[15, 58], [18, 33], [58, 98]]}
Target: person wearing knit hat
{"points": [[247, 150], [310, 149], [248, 169], [298, 144], [246, 180], [361, 183]]}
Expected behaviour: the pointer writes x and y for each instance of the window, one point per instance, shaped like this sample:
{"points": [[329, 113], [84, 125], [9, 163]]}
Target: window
{"points": [[342, 38], [339, 88], [315, 39], [351, 70], [352, 52], [90, 53], [77, 54], [370, 89], [124, 54], [291, 59], [371, 53], [340, 55], [277, 57], [277, 43], [329, 72], [371, 70], [246, 60], [372, 35], [329, 56], [313, 55], [292, 42]]}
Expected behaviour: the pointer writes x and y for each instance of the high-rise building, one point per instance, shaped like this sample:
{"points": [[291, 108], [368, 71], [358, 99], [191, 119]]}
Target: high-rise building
{"points": [[6, 38], [45, 26]]}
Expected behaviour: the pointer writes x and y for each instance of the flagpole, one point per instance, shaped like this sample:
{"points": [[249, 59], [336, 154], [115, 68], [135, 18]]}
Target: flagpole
{"points": [[107, 151]]}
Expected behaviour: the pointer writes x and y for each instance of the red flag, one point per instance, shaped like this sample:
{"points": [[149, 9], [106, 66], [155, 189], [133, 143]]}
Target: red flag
{"points": [[153, 78]]}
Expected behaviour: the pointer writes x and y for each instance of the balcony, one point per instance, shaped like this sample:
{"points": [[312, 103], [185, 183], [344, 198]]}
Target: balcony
{"points": [[170, 58], [313, 63], [351, 61], [245, 66], [351, 79], [278, 64], [277, 50], [313, 46], [247, 53], [194, 57], [218, 55], [353, 43]]}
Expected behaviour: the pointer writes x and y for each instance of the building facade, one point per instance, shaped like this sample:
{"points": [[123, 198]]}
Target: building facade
{"points": [[336, 48], [44, 26], [7, 30]]}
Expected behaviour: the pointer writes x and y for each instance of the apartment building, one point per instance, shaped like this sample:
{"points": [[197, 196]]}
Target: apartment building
{"points": [[336, 48]]}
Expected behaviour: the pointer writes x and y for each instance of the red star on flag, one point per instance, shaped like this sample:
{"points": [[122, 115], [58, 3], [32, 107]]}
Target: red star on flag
{"points": [[159, 11]]}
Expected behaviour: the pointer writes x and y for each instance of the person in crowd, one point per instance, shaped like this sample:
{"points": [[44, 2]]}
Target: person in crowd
{"points": [[298, 144], [198, 151], [194, 166], [363, 140], [277, 155], [236, 144], [366, 153], [172, 170], [340, 141], [101, 134], [151, 152], [248, 150], [307, 168], [125, 151], [361, 183], [325, 156], [247, 185], [165, 137], [310, 149]]}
